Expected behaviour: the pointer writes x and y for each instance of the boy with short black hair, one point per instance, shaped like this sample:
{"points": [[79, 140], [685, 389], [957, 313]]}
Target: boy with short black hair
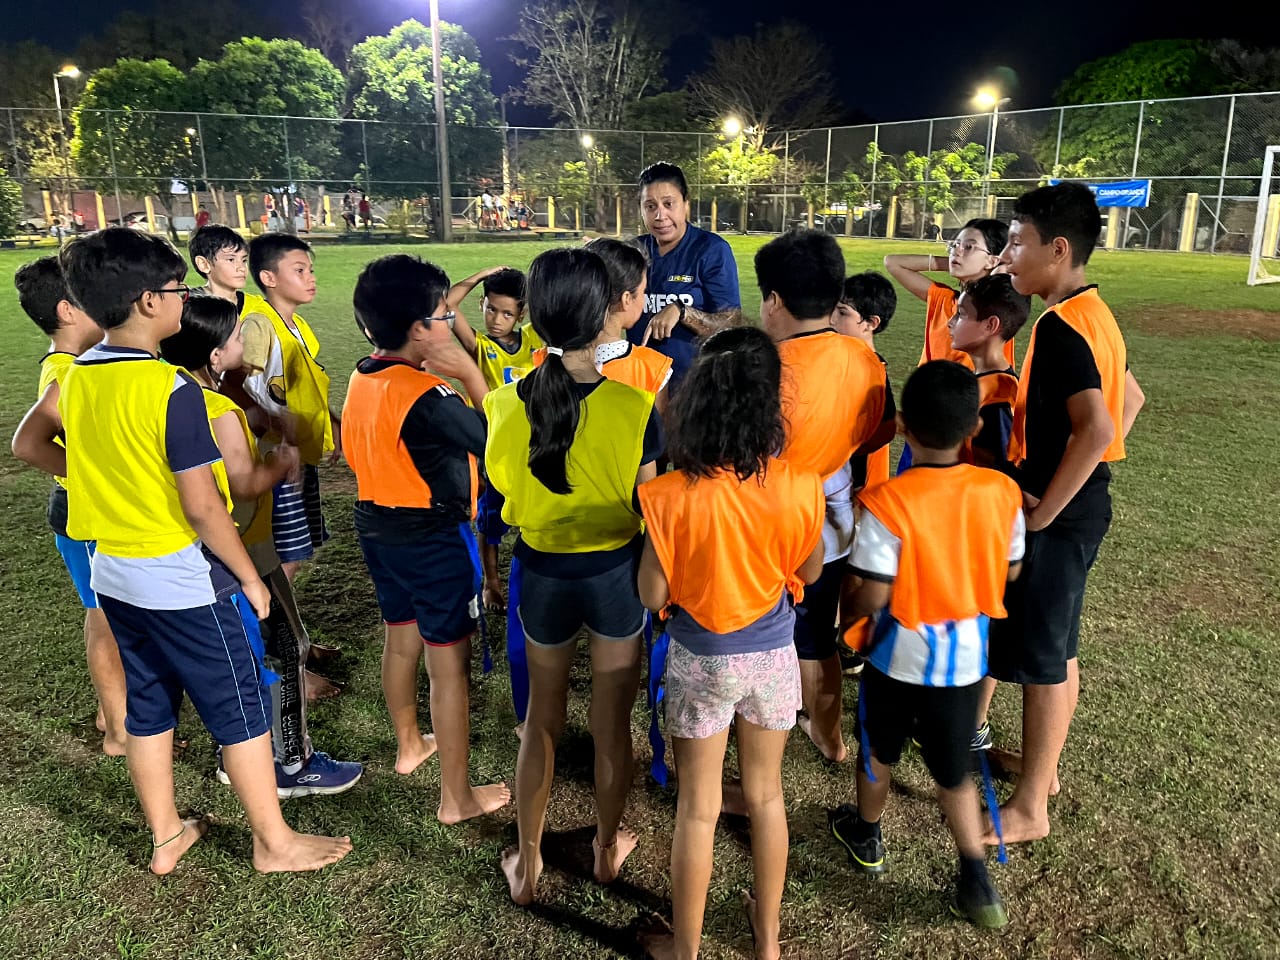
{"points": [[42, 292], [414, 446], [833, 399], [221, 256], [989, 313], [933, 551], [138, 461], [1076, 402]]}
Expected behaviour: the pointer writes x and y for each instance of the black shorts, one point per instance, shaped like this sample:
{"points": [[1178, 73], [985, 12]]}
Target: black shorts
{"points": [[1042, 632], [552, 610], [943, 719], [816, 628], [430, 582]]}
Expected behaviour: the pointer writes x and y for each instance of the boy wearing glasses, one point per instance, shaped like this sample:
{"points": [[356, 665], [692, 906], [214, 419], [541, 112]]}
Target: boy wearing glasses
{"points": [[284, 379], [221, 256], [414, 446], [139, 460]]}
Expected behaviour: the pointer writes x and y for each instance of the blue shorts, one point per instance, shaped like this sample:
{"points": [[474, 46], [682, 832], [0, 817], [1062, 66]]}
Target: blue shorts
{"points": [[78, 556], [430, 582], [489, 522], [552, 610], [202, 650], [816, 615]]}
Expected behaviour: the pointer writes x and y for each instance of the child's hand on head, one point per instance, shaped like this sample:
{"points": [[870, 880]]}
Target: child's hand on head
{"points": [[444, 356]]}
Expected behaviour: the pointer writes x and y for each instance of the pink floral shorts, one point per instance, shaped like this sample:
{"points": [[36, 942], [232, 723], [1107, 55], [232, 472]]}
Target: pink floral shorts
{"points": [[704, 693]]}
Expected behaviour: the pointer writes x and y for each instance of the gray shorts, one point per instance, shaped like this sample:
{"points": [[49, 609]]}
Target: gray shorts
{"points": [[552, 610]]}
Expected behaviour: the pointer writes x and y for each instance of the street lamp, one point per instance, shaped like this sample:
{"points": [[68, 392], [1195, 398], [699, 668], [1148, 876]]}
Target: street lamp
{"points": [[442, 133], [732, 126], [71, 71], [988, 98], [588, 141]]}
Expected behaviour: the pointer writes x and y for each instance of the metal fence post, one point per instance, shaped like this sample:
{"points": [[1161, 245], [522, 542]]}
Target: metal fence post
{"points": [[1057, 149], [826, 189], [13, 136], [1222, 176], [364, 146], [288, 157], [1137, 143], [924, 199], [642, 164], [871, 200], [115, 177]]}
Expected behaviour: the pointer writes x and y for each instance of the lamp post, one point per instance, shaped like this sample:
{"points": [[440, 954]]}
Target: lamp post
{"points": [[442, 133], [732, 127], [988, 98], [71, 71]]}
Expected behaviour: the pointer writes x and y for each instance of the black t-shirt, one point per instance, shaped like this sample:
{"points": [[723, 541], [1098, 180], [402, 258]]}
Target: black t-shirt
{"points": [[575, 566], [1062, 366], [439, 431]]}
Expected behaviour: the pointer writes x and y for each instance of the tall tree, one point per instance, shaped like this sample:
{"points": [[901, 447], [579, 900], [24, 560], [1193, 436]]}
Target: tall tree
{"points": [[391, 81], [330, 28], [32, 151], [198, 33], [589, 60], [1149, 70], [126, 133], [270, 83], [777, 78]]}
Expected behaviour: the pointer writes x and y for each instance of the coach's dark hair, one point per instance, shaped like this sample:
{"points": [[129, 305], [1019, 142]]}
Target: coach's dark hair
{"points": [[107, 271], [1068, 210], [568, 299], [207, 324], [392, 294], [664, 171], [626, 263], [872, 295], [994, 296], [995, 233], [41, 288], [727, 414], [210, 240], [507, 282], [939, 404], [806, 269], [266, 250]]}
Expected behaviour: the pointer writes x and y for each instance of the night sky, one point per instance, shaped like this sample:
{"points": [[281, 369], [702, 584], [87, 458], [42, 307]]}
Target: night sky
{"points": [[892, 61]]}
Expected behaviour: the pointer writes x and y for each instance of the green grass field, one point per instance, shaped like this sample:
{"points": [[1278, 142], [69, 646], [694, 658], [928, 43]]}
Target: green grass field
{"points": [[1166, 835]]}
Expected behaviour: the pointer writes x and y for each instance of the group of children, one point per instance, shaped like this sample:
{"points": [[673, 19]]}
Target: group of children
{"points": [[777, 537]]}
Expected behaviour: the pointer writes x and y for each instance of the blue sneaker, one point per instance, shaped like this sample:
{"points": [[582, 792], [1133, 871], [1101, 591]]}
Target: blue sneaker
{"points": [[319, 775]]}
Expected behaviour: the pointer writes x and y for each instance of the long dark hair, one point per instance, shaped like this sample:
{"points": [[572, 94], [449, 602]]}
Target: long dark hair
{"points": [[727, 414], [568, 291], [627, 266], [207, 323]]}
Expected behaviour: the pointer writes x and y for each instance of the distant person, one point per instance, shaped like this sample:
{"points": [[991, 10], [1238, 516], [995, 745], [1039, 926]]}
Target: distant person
{"points": [[366, 212], [486, 210], [693, 278], [269, 210], [348, 214], [202, 217]]}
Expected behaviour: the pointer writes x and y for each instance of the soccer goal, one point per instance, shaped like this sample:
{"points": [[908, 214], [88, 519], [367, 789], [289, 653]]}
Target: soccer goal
{"points": [[1264, 255]]}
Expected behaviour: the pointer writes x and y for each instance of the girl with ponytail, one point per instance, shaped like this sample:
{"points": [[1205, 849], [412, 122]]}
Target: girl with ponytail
{"points": [[733, 536], [566, 448]]}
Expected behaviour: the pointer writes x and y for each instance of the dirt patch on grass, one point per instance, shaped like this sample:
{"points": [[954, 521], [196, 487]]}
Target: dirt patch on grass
{"points": [[1178, 321]]}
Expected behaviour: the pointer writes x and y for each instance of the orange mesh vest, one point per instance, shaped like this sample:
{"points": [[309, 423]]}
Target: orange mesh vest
{"points": [[993, 389], [642, 368], [940, 307], [1089, 316], [955, 524], [375, 411], [833, 396], [728, 548]]}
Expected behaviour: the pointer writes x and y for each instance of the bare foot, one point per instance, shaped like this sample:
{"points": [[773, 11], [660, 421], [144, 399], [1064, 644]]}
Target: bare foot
{"points": [[1016, 827], [1011, 762], [409, 761], [766, 948], [732, 800], [319, 652], [492, 598], [658, 942], [523, 888], [112, 747], [609, 859], [318, 688], [839, 755], [520, 730], [302, 852], [480, 801], [165, 855], [101, 721]]}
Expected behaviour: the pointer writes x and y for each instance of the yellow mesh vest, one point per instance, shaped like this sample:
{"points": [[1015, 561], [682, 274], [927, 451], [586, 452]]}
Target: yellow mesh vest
{"points": [[499, 367], [120, 490], [306, 383], [53, 367], [252, 517], [601, 466]]}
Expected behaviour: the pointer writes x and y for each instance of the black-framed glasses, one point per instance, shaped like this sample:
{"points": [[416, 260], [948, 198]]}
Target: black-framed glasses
{"points": [[182, 290], [448, 318]]}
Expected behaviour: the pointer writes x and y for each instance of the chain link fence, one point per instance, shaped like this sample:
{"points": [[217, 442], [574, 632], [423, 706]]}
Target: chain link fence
{"points": [[914, 179]]}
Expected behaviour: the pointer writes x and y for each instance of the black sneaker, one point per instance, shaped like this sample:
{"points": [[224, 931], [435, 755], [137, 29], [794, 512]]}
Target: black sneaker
{"points": [[982, 739], [851, 662], [866, 855], [980, 904]]}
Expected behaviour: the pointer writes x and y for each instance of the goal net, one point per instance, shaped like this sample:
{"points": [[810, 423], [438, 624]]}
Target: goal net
{"points": [[1264, 255]]}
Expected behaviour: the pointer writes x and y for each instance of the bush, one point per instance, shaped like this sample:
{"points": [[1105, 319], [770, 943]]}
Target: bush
{"points": [[10, 205]]}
